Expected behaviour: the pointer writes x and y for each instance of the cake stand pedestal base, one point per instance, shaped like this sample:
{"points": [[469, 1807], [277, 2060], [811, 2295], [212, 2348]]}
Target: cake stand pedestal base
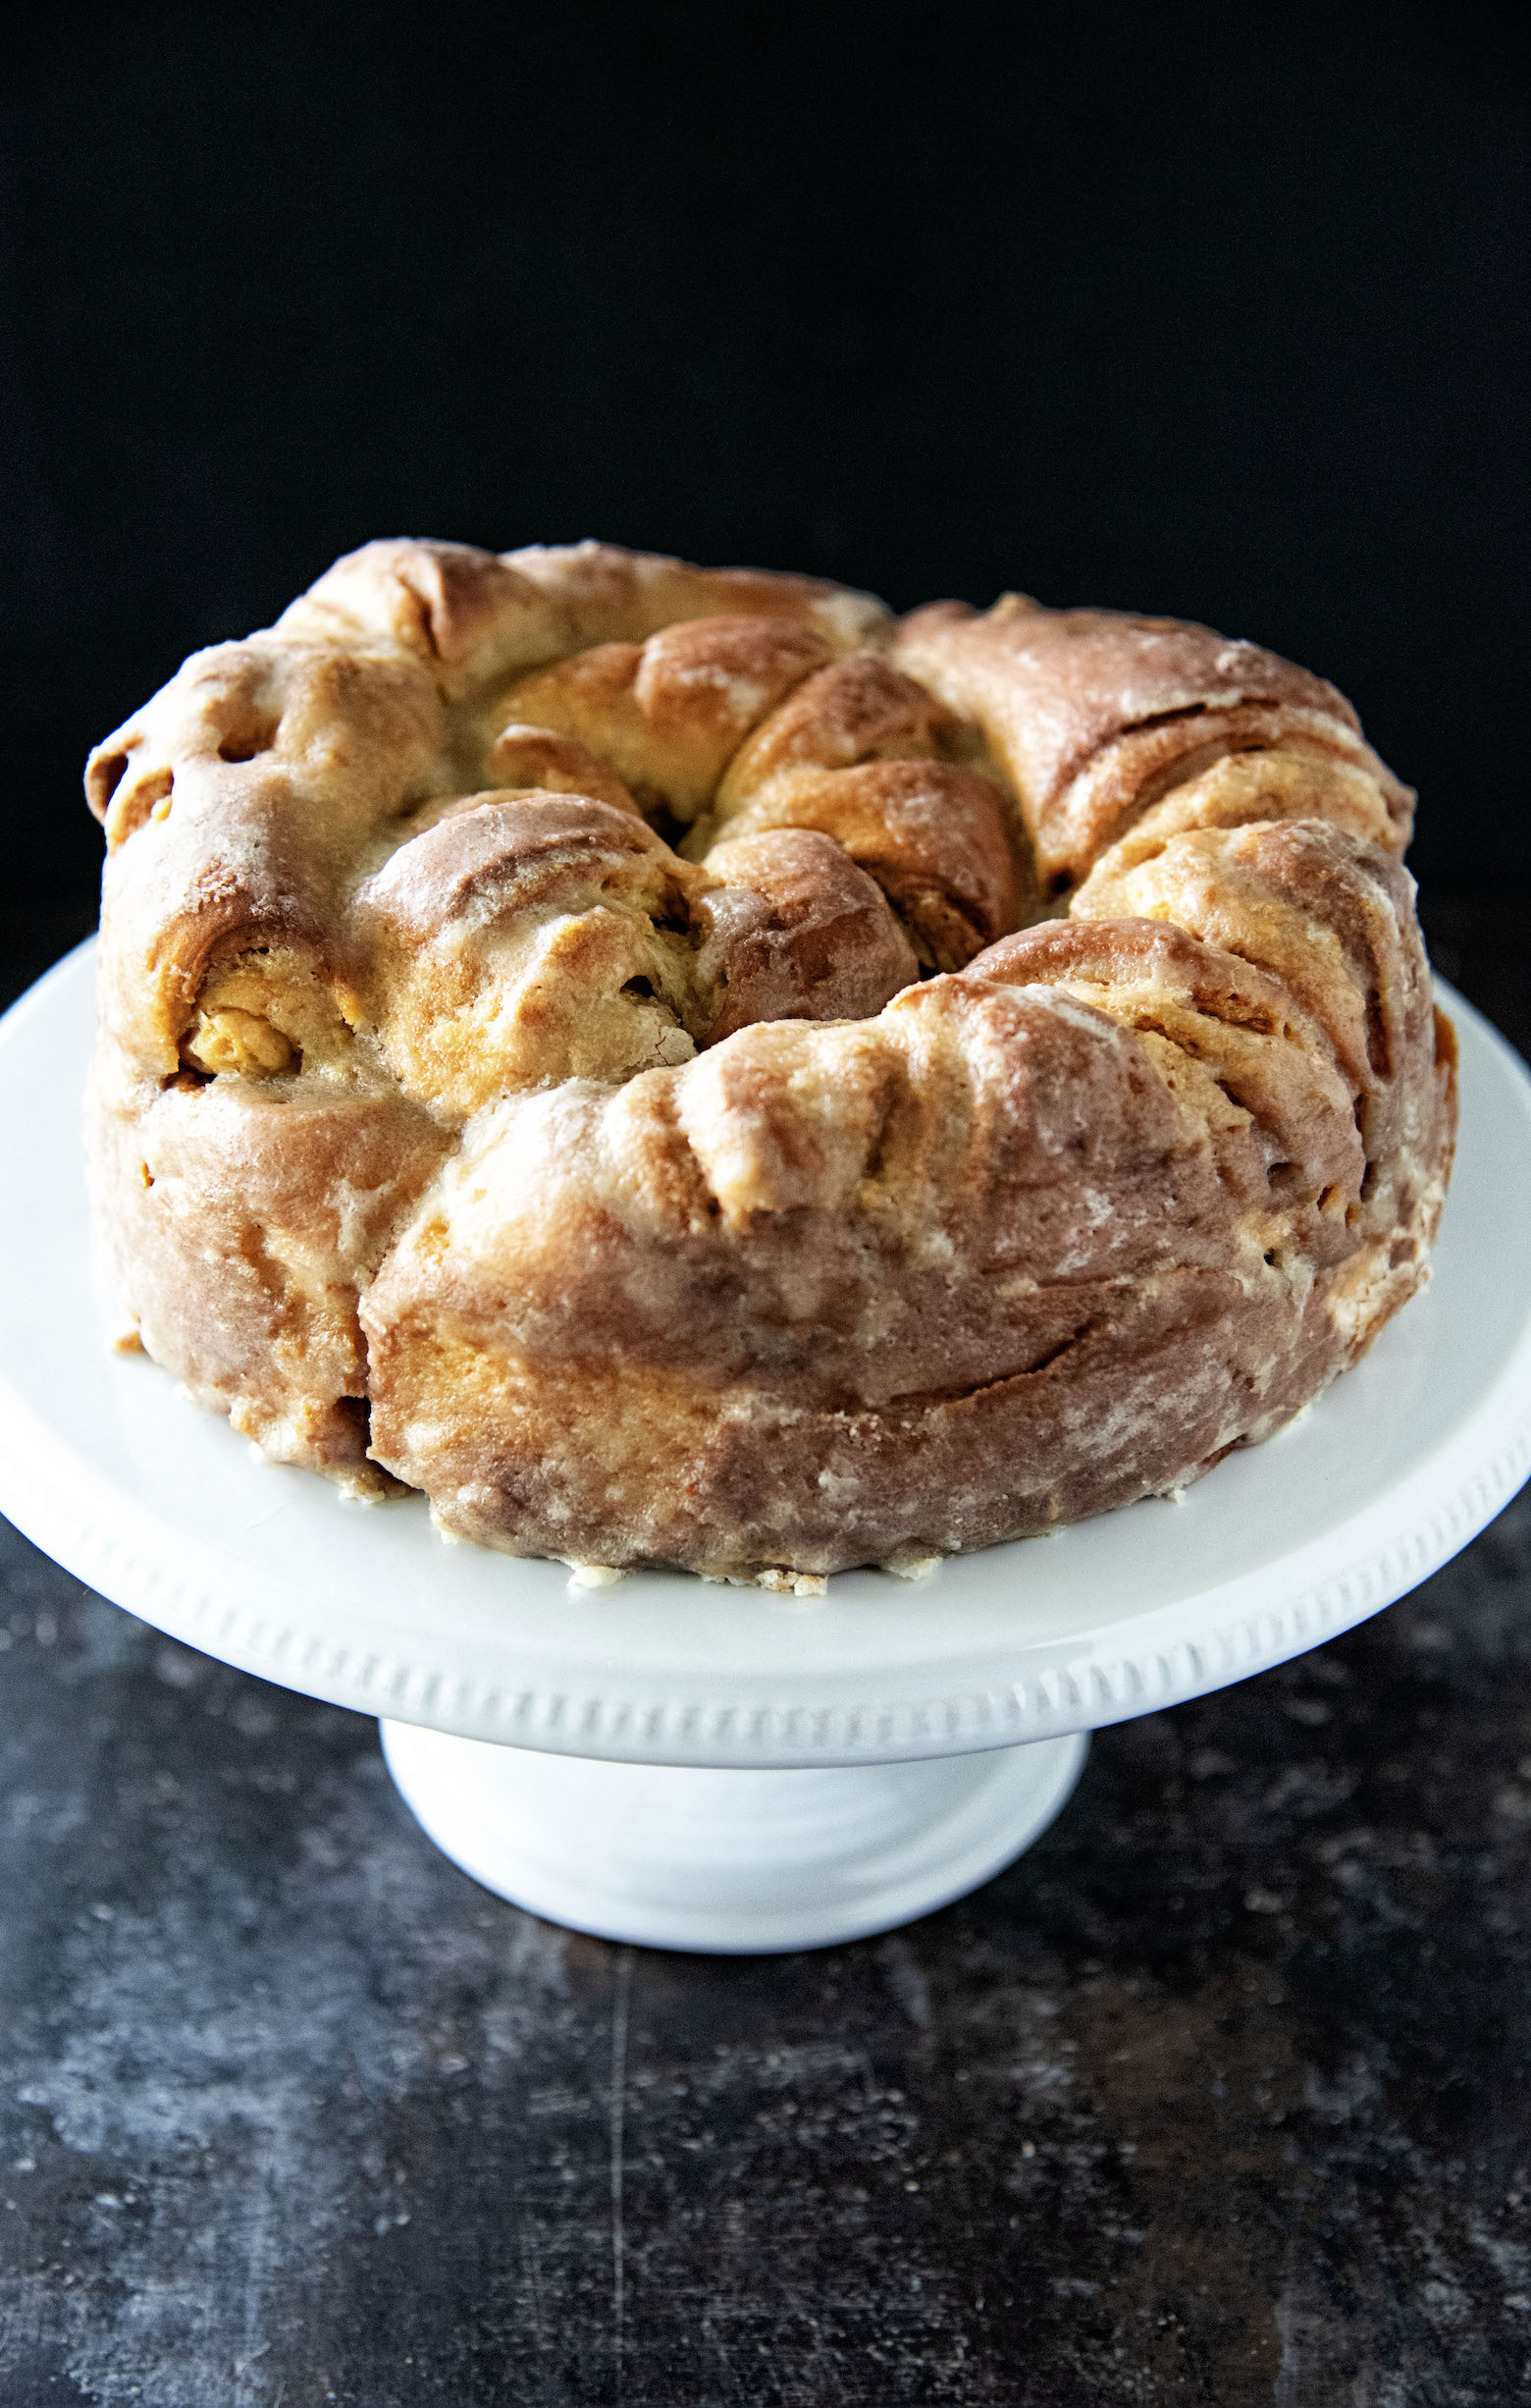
{"points": [[732, 1862]]}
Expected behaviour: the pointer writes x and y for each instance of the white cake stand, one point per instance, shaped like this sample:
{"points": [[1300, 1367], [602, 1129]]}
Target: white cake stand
{"points": [[700, 1767]]}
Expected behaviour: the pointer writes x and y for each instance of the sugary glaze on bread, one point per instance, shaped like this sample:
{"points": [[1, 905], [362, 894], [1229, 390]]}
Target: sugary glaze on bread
{"points": [[596, 1039]]}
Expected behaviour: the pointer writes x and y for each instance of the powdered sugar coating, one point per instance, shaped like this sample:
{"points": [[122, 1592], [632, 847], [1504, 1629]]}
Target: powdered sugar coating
{"points": [[516, 1075]]}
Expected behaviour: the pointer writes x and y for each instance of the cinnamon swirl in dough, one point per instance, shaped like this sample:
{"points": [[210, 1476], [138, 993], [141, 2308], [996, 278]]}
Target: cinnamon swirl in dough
{"points": [[686, 1068]]}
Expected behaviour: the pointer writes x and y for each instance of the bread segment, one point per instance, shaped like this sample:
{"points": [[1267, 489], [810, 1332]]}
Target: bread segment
{"points": [[1095, 715]]}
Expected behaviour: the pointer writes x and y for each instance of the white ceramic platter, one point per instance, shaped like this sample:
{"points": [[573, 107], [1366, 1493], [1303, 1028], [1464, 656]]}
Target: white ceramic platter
{"points": [[162, 1508]]}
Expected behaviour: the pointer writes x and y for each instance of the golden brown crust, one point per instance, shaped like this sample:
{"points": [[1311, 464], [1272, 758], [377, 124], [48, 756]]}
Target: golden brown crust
{"points": [[932, 833], [647, 1206], [795, 931], [1095, 714], [241, 1224], [476, 618], [858, 751], [671, 713], [527, 758], [860, 710]]}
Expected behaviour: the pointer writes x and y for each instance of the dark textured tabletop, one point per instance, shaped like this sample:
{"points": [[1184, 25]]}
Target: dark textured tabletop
{"points": [[1219, 2094]]}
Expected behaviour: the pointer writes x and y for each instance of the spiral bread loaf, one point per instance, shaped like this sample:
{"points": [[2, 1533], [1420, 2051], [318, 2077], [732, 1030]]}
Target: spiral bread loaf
{"points": [[685, 1068]]}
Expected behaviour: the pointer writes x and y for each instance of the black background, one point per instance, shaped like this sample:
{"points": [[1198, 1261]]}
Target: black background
{"points": [[1215, 311]]}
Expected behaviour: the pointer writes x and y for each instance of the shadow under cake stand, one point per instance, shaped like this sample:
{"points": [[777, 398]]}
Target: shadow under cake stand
{"points": [[693, 1766]]}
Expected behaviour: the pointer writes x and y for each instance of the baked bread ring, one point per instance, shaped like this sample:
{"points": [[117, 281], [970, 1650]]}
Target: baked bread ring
{"points": [[687, 1069]]}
